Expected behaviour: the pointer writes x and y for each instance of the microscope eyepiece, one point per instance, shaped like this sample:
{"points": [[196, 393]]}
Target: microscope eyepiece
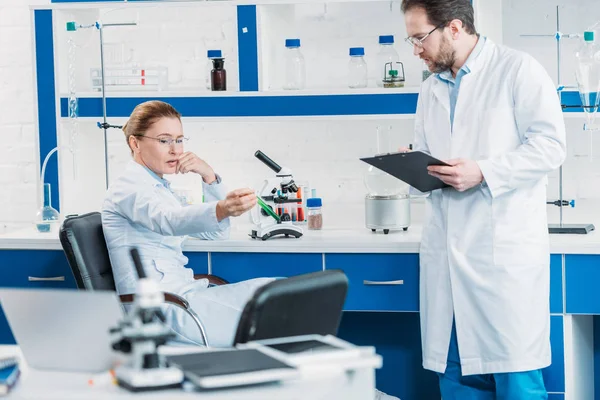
{"points": [[267, 161]]}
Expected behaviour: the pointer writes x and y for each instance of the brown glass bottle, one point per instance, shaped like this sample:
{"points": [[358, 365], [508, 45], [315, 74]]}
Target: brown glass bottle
{"points": [[218, 75]]}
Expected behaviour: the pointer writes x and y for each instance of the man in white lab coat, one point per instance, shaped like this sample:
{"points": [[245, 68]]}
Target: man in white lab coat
{"points": [[493, 114]]}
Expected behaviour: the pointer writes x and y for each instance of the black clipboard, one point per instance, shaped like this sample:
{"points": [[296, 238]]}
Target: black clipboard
{"points": [[410, 167]]}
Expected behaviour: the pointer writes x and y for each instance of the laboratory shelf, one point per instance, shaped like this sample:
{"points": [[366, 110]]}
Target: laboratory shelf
{"points": [[364, 102], [79, 4], [313, 104]]}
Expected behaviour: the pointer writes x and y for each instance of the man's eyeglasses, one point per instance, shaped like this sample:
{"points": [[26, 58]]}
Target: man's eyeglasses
{"points": [[413, 41], [167, 141]]}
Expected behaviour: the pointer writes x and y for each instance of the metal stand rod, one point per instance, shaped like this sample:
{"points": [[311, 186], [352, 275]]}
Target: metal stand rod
{"points": [[560, 170], [103, 106], [105, 125]]}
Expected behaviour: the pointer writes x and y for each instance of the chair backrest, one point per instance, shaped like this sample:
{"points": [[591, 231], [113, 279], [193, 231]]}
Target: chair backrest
{"points": [[83, 242], [300, 305]]}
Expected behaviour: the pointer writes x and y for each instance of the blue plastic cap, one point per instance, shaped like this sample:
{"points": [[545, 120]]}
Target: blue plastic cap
{"points": [[292, 42], [357, 51], [314, 202], [386, 39], [588, 36], [214, 54]]}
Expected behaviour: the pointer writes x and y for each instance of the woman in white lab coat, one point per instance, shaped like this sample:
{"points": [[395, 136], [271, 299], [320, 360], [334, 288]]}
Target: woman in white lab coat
{"points": [[493, 114], [141, 210]]}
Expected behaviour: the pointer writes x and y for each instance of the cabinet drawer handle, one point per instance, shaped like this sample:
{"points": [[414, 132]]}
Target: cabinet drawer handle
{"points": [[50, 279], [375, 283]]}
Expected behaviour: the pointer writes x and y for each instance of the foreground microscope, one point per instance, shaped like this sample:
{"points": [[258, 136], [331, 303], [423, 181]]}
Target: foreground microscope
{"points": [[140, 334], [276, 193]]}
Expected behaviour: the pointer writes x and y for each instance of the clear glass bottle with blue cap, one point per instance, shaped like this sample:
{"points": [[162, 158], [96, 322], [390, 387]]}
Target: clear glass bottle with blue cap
{"points": [[357, 68], [295, 70], [211, 54], [387, 54]]}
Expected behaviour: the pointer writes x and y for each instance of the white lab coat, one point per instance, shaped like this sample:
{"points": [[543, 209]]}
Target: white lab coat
{"points": [[140, 210], [485, 252]]}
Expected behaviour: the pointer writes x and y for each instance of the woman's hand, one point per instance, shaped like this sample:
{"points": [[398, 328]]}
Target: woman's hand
{"points": [[236, 203], [189, 162]]}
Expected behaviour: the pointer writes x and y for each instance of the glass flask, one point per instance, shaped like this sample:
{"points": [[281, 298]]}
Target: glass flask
{"points": [[47, 218], [378, 182], [587, 70]]}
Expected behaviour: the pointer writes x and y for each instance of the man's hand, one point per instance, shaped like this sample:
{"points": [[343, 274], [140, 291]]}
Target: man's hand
{"points": [[461, 175], [236, 203], [189, 162]]}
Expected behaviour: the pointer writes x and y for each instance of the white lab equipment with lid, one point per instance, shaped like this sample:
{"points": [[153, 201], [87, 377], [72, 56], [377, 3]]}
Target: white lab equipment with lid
{"points": [[295, 70], [387, 203]]}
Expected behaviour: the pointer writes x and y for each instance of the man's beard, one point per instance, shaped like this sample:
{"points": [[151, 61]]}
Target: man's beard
{"points": [[445, 59]]}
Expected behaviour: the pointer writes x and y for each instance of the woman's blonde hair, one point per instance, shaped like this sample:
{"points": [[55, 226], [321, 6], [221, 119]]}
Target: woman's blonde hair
{"points": [[146, 114]]}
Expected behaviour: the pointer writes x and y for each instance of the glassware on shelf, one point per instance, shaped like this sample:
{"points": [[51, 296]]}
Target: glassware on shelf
{"points": [[393, 79], [211, 54], [357, 68], [218, 75], [130, 78], [587, 70], [47, 218], [386, 55], [295, 70]]}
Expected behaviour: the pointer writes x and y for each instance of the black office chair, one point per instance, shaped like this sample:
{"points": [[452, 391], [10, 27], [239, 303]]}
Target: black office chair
{"points": [[84, 245], [300, 305]]}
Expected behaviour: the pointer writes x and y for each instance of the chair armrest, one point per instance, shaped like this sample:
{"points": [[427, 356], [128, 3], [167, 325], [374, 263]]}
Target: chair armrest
{"points": [[215, 280], [178, 301], [170, 298]]}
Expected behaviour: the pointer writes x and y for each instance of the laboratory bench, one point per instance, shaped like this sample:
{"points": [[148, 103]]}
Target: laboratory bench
{"points": [[383, 299]]}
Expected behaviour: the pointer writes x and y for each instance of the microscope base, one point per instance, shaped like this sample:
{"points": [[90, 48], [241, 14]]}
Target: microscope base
{"points": [[276, 230], [148, 379], [580, 229]]}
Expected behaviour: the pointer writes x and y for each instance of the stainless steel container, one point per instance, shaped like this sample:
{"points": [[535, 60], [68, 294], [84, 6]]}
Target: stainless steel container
{"points": [[387, 212]]}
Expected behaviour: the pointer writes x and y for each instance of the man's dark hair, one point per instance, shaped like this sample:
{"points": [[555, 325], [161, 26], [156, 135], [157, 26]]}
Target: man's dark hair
{"points": [[443, 11]]}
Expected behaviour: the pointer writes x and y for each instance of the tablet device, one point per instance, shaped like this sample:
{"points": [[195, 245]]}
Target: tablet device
{"points": [[409, 167], [230, 368]]}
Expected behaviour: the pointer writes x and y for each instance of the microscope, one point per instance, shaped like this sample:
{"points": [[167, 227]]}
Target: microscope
{"points": [[140, 334], [274, 195]]}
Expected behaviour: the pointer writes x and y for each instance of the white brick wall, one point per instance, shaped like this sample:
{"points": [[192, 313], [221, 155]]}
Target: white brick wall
{"points": [[18, 175], [324, 152]]}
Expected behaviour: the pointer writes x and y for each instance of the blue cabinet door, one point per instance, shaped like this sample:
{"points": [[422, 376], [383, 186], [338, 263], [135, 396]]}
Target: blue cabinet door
{"points": [[237, 267], [554, 375], [556, 295], [6, 336], [32, 269], [35, 268], [379, 282], [582, 274], [197, 261], [397, 338]]}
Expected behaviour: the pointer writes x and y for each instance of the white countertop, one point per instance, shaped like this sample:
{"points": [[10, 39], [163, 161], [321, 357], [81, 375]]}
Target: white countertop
{"points": [[358, 240]]}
